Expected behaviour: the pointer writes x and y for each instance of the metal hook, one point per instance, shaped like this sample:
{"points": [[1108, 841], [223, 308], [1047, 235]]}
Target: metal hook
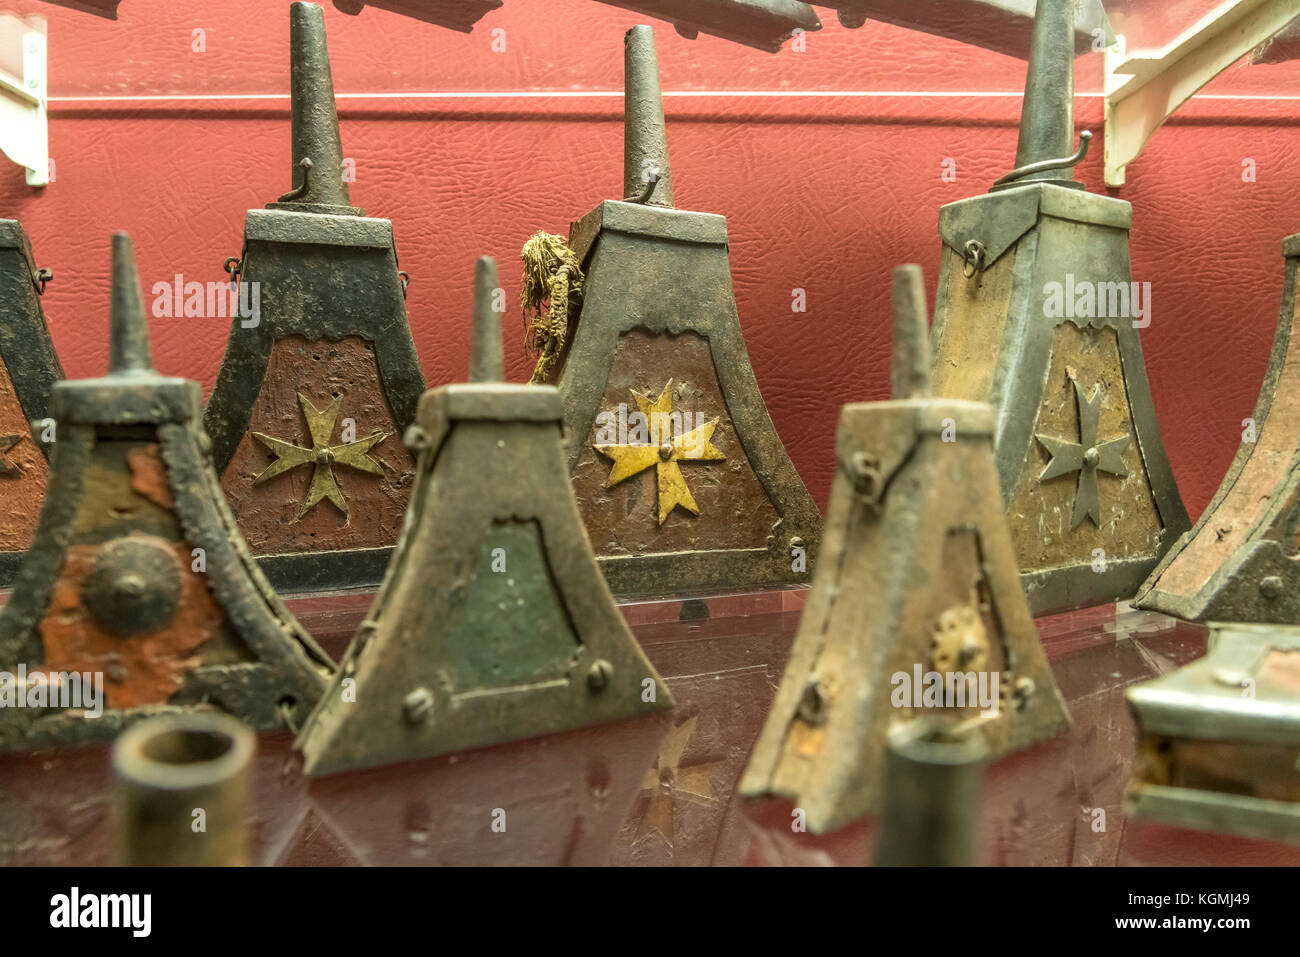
{"points": [[651, 183], [305, 165], [405, 278], [40, 278], [1044, 165]]}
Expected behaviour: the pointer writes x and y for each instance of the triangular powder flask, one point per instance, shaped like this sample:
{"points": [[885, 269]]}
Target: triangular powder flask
{"points": [[493, 622], [1239, 563], [138, 596], [680, 476], [29, 368], [1038, 315], [916, 609], [320, 375]]}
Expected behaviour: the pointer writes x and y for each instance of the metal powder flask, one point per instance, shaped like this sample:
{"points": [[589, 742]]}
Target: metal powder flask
{"points": [[1238, 563], [493, 622], [1219, 739], [29, 367], [138, 591], [317, 386], [762, 24], [1036, 314], [917, 585], [681, 478]]}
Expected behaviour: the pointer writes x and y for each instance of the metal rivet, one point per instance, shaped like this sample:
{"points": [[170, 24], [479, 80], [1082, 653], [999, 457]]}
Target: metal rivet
{"points": [[599, 674], [1271, 587], [815, 703], [417, 706], [1024, 691]]}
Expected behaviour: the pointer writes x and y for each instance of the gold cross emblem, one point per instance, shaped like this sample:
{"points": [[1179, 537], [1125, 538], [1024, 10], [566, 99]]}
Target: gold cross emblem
{"points": [[664, 451], [321, 456]]}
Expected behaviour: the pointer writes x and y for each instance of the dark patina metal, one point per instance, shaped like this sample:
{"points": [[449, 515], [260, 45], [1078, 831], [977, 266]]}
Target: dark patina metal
{"points": [[1088, 488], [137, 572], [930, 814], [183, 792], [332, 341], [1219, 739], [658, 330], [1004, 26], [100, 8], [1238, 563], [453, 14], [917, 576], [29, 368], [762, 24], [493, 622]]}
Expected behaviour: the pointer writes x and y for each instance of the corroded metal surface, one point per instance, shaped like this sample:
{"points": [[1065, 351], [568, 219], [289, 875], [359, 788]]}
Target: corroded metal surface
{"points": [[1004, 26], [138, 579], [493, 622], [1237, 564], [458, 15], [366, 511], [917, 578], [332, 326], [1037, 314], [1219, 745], [658, 308], [29, 368], [762, 24], [182, 792]]}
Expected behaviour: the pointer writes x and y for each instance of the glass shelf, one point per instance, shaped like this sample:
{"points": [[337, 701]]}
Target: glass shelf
{"points": [[662, 790]]}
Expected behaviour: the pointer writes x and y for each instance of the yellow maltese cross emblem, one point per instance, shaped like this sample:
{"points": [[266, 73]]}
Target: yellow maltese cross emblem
{"points": [[321, 456], [664, 451]]}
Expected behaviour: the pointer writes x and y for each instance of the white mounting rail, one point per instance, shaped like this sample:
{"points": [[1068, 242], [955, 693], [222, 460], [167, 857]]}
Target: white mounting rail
{"points": [[24, 135], [1144, 89]]}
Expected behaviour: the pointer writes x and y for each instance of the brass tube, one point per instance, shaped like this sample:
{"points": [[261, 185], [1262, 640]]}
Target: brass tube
{"points": [[182, 792]]}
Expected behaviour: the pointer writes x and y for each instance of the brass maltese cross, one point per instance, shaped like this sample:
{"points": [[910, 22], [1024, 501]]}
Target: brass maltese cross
{"points": [[664, 451], [1087, 457], [321, 456]]}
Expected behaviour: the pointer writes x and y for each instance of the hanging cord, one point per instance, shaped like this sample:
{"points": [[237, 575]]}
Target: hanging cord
{"points": [[552, 274]]}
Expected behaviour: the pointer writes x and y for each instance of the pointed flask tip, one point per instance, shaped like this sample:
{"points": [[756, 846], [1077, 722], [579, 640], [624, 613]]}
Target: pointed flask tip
{"points": [[910, 368], [647, 176], [1047, 112], [486, 356], [314, 116], [128, 347]]}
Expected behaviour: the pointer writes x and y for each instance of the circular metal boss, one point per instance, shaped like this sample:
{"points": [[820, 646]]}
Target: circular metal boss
{"points": [[134, 586]]}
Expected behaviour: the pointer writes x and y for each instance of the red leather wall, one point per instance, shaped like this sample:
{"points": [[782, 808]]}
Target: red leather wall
{"points": [[827, 163]]}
